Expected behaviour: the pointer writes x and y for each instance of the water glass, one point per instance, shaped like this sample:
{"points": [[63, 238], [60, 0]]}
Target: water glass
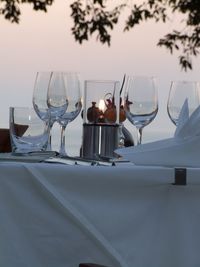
{"points": [[28, 132]]}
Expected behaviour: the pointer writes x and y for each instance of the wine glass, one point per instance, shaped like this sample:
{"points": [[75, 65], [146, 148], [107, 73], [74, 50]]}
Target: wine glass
{"points": [[72, 86], [49, 98], [179, 92], [141, 102], [39, 98], [57, 100]]}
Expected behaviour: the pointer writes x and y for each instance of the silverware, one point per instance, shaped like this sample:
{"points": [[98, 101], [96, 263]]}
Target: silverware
{"points": [[77, 161]]}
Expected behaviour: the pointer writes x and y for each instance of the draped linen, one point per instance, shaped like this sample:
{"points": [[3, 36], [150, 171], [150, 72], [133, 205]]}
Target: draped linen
{"points": [[54, 215]]}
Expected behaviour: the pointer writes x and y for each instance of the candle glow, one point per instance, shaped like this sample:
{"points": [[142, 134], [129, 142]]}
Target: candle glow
{"points": [[101, 105]]}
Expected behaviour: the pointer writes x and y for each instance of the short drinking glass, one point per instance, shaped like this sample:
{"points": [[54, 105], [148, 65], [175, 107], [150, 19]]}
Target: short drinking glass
{"points": [[27, 131]]}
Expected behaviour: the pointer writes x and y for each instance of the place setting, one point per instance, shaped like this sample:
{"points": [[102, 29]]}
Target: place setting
{"points": [[57, 98], [30, 127], [104, 106], [181, 150]]}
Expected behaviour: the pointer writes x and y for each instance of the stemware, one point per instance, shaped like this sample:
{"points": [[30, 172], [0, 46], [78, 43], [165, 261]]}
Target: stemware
{"points": [[49, 98], [179, 92], [140, 102], [40, 90], [39, 98], [73, 91], [57, 100]]}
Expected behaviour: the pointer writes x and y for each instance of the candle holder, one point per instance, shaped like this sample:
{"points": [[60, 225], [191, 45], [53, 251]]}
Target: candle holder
{"points": [[101, 116]]}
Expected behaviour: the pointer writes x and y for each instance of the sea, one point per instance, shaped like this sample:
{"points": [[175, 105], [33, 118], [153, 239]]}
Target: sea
{"points": [[73, 137]]}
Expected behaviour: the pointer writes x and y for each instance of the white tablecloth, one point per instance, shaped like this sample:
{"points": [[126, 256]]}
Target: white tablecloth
{"points": [[53, 215]]}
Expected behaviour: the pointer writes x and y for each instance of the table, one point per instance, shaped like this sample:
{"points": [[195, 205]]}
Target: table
{"points": [[54, 215]]}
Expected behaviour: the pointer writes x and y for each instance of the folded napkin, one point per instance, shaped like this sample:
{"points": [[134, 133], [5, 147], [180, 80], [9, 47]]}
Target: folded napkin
{"points": [[183, 150]]}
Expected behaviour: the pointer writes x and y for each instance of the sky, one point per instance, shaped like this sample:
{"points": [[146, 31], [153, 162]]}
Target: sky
{"points": [[43, 41]]}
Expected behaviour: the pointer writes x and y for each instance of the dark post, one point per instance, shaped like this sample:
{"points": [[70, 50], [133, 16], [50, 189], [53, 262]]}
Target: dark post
{"points": [[180, 176]]}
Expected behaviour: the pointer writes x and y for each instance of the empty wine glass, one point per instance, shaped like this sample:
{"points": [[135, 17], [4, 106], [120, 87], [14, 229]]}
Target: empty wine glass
{"points": [[141, 102], [179, 92], [73, 91], [39, 98], [49, 97], [57, 101]]}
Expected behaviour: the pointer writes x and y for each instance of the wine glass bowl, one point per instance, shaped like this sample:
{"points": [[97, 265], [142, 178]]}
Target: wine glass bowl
{"points": [[57, 101], [140, 102], [39, 98], [179, 92]]}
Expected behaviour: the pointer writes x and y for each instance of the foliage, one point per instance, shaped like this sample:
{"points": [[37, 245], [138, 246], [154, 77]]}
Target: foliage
{"points": [[11, 11], [95, 17]]}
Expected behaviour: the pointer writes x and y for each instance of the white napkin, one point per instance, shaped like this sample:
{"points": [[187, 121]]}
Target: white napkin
{"points": [[183, 150]]}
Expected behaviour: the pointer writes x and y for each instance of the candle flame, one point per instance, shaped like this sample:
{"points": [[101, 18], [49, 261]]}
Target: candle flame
{"points": [[101, 105]]}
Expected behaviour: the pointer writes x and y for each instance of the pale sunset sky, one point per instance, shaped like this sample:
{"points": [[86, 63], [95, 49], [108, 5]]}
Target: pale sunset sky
{"points": [[43, 41]]}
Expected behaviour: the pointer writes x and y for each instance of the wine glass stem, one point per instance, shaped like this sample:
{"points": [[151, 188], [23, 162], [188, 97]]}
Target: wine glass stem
{"points": [[139, 136], [121, 136], [49, 146], [62, 150]]}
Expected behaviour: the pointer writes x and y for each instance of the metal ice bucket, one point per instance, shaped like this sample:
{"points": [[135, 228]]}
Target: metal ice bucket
{"points": [[100, 140]]}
